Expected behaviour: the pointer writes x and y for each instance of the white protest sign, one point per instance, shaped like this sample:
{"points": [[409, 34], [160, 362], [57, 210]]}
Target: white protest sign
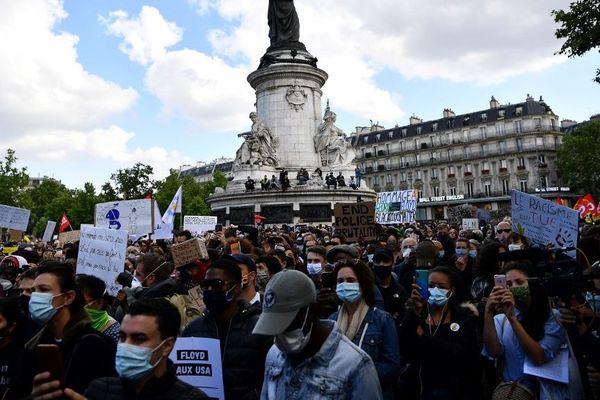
{"points": [[133, 216], [50, 225], [199, 223], [102, 254], [544, 222], [14, 218], [470, 223], [396, 207], [198, 363]]}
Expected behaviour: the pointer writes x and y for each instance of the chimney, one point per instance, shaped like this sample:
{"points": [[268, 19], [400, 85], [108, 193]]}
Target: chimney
{"points": [[448, 113], [565, 123], [414, 120], [494, 103]]}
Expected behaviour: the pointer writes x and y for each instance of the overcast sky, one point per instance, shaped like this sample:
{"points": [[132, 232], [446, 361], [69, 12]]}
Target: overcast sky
{"points": [[91, 86]]}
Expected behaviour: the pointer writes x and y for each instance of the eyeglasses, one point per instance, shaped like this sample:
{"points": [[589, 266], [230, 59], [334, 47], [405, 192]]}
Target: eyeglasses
{"points": [[503, 230], [214, 284]]}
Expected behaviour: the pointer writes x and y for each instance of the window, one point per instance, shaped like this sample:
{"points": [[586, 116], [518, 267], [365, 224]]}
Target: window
{"points": [[468, 168], [365, 139], [523, 185], [505, 187], [502, 146], [503, 164], [450, 138], [484, 149], [375, 180], [521, 161], [418, 174], [435, 190], [487, 188], [466, 136], [404, 132], [500, 114], [485, 165], [539, 141], [434, 173], [401, 146], [500, 129], [466, 151], [452, 190], [387, 148], [542, 158], [553, 124], [419, 194], [434, 127], [449, 154], [389, 180], [483, 132], [418, 130], [377, 137], [363, 152], [388, 164], [402, 161], [483, 117], [432, 140], [402, 176], [519, 111], [519, 144], [390, 134], [537, 123], [517, 125], [544, 182], [469, 189], [451, 169]]}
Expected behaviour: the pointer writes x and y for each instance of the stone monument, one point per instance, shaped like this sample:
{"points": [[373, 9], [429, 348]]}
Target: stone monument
{"points": [[288, 140]]}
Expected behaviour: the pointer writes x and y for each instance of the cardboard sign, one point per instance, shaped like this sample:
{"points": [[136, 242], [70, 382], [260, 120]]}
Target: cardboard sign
{"points": [[69, 237], [199, 223], [198, 363], [544, 222], [50, 225], [189, 251], [396, 207], [133, 216], [196, 294], [470, 223], [355, 220], [15, 236], [102, 254], [14, 218]]}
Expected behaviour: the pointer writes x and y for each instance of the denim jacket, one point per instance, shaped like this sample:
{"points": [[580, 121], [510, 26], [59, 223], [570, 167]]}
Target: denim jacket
{"points": [[338, 371]]}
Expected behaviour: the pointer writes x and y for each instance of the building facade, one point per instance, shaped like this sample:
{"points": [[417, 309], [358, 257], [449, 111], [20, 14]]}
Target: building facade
{"points": [[203, 172], [475, 158]]}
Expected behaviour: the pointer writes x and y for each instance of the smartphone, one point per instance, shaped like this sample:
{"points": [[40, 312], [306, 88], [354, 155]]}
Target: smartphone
{"points": [[422, 279], [328, 280], [49, 360], [218, 228], [500, 280], [235, 248]]}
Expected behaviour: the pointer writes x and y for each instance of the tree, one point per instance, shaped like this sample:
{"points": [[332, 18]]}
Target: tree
{"points": [[133, 183], [83, 205], [42, 195], [580, 26], [108, 193], [13, 181], [578, 159]]}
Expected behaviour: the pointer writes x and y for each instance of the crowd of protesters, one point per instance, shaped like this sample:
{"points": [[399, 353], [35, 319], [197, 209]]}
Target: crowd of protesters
{"points": [[302, 314]]}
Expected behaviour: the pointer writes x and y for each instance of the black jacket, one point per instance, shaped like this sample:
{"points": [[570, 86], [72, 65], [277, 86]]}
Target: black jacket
{"points": [[166, 288], [164, 388], [242, 353]]}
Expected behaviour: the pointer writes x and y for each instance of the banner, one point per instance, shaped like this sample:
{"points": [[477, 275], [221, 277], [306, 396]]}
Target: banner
{"points": [[102, 254], [470, 223], [133, 216], [188, 252], [198, 363], [587, 209], [14, 218], [396, 207], [69, 237], [544, 222], [199, 223], [355, 220], [50, 225]]}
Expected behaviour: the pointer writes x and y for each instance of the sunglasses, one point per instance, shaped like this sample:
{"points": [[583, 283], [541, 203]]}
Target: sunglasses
{"points": [[504, 231], [214, 284]]}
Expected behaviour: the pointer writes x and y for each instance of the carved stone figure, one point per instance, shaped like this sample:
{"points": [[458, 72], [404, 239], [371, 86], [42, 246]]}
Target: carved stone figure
{"points": [[331, 143], [259, 147], [284, 25], [296, 96]]}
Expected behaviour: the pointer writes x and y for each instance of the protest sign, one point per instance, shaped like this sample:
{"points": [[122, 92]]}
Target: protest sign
{"points": [[50, 225], [470, 223], [189, 251], [196, 294], [102, 254], [14, 218], [198, 363], [69, 236], [15, 236], [544, 222], [355, 220], [199, 223], [396, 207], [483, 215], [133, 216], [162, 230]]}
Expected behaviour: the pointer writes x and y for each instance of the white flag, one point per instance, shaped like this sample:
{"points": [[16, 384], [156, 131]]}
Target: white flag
{"points": [[161, 230], [174, 208]]}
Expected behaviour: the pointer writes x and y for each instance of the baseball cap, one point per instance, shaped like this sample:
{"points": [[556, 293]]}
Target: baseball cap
{"points": [[286, 293], [242, 259], [341, 248], [383, 255], [425, 252], [14, 261]]}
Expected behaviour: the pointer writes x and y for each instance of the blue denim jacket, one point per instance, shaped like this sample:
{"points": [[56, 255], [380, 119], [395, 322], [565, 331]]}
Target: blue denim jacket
{"points": [[338, 371], [381, 343]]}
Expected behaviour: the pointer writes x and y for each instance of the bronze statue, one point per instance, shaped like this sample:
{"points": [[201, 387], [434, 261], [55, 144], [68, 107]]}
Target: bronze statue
{"points": [[284, 25]]}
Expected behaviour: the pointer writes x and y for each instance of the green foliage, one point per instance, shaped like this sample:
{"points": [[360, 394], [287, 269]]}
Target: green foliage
{"points": [[13, 181], [41, 197], [133, 183], [578, 159], [40, 227], [580, 26]]}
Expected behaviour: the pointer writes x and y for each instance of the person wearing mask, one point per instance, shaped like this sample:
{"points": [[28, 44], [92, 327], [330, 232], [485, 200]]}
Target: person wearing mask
{"points": [[317, 266], [392, 245], [311, 358], [371, 329], [316, 263], [424, 256], [94, 291], [248, 268], [148, 336], [503, 230], [517, 241], [266, 267], [443, 236], [463, 262], [57, 304], [474, 246], [519, 323], [485, 267], [438, 338], [407, 255], [231, 319], [394, 295]]}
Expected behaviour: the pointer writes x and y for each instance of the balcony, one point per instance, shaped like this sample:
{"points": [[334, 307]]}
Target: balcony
{"points": [[521, 167], [451, 175], [485, 172], [468, 173], [503, 170], [381, 153]]}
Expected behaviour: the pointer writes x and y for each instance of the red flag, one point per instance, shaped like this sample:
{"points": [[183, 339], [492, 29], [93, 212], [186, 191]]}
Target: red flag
{"points": [[64, 223]]}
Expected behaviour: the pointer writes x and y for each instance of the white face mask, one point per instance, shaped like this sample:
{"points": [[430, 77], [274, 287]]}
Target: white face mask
{"points": [[314, 268], [293, 342], [514, 247]]}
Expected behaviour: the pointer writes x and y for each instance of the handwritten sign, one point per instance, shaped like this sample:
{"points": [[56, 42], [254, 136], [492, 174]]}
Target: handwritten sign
{"points": [[69, 236], [543, 221], [14, 218], [199, 223], [50, 225], [102, 254], [355, 220], [15, 236], [470, 223], [396, 207], [133, 216], [189, 251], [198, 363]]}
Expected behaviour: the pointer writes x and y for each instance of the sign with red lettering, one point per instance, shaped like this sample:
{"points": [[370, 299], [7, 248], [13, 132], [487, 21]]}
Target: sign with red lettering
{"points": [[355, 220]]}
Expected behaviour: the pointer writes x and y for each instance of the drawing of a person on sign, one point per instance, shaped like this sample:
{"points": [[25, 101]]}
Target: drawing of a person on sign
{"points": [[133, 217], [113, 218]]}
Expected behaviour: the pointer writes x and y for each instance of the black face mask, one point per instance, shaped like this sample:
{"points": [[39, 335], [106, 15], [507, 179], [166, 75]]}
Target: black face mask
{"points": [[382, 271], [217, 301]]}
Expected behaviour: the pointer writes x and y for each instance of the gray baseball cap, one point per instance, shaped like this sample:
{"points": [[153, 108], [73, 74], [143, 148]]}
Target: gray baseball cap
{"points": [[287, 292]]}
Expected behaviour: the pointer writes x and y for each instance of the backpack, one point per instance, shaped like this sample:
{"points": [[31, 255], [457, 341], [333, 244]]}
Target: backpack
{"points": [[188, 310]]}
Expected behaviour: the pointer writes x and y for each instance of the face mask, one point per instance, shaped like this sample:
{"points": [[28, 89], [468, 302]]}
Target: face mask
{"points": [[6, 284], [382, 271], [521, 294], [406, 252], [295, 341], [216, 300], [438, 296], [348, 292], [472, 253], [133, 362], [514, 247], [135, 282], [593, 301], [314, 268], [40, 307], [441, 253], [262, 278], [461, 252], [99, 318], [370, 258]]}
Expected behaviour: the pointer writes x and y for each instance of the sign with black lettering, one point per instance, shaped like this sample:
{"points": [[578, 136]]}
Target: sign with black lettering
{"points": [[198, 363], [356, 220]]}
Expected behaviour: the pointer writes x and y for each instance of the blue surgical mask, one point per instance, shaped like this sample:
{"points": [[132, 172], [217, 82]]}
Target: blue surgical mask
{"points": [[437, 296], [314, 268], [133, 362], [441, 253], [348, 292], [472, 253], [41, 309], [593, 301], [462, 252]]}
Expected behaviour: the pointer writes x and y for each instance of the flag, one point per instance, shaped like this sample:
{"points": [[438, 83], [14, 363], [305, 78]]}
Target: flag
{"points": [[587, 208], [161, 230], [174, 208], [64, 223]]}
